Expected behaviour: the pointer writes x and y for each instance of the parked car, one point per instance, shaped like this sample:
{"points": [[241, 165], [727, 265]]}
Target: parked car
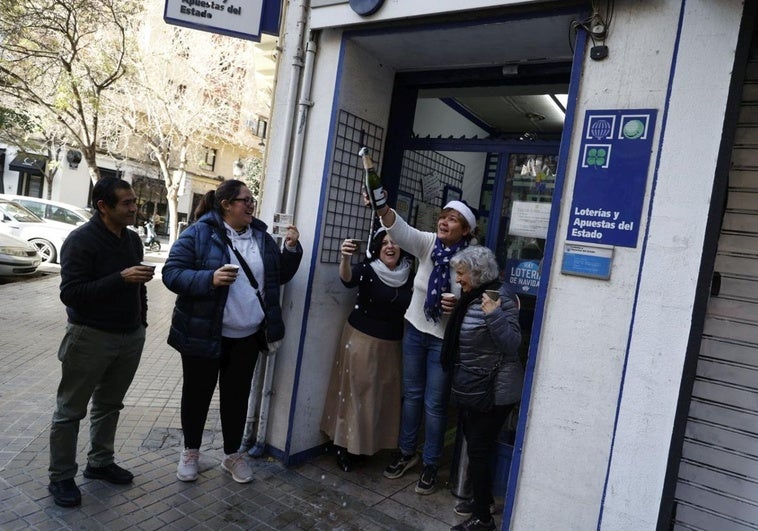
{"points": [[17, 257], [52, 210], [47, 237]]}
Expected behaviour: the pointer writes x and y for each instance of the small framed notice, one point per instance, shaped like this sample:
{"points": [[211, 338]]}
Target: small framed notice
{"points": [[529, 219], [587, 260], [404, 206]]}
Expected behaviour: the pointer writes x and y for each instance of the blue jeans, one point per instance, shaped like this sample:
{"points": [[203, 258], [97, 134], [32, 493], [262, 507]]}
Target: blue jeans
{"points": [[426, 389]]}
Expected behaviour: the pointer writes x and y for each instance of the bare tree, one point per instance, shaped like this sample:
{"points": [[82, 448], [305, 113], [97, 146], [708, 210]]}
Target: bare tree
{"points": [[59, 57], [182, 98]]}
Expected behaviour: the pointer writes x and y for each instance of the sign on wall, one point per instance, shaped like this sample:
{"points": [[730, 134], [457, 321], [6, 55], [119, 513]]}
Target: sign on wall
{"points": [[244, 19], [592, 261], [611, 176], [523, 275]]}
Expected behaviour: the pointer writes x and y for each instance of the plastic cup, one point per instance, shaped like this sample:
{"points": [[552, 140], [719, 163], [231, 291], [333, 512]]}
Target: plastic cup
{"points": [[449, 301], [147, 264], [232, 267]]}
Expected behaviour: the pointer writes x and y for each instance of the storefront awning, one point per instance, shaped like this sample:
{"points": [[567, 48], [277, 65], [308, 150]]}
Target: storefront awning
{"points": [[29, 163]]}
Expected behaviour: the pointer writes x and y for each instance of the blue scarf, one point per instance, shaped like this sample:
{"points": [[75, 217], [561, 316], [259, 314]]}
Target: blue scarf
{"points": [[439, 280]]}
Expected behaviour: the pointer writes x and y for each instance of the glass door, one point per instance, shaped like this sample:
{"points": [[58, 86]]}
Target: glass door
{"points": [[523, 198]]}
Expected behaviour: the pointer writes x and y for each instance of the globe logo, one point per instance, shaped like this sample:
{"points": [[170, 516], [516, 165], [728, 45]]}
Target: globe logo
{"points": [[600, 129], [633, 129]]}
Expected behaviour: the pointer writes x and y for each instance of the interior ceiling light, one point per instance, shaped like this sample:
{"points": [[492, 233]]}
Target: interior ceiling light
{"points": [[533, 116], [560, 101]]}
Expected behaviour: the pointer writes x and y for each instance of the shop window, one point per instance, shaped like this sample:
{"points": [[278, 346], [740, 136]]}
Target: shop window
{"points": [[261, 128], [209, 162], [31, 185]]}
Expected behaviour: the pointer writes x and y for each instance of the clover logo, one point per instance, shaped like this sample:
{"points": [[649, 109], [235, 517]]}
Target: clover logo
{"points": [[597, 157]]}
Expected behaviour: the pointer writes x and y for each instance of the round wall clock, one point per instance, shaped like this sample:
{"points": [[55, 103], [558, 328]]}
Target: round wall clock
{"points": [[366, 7]]}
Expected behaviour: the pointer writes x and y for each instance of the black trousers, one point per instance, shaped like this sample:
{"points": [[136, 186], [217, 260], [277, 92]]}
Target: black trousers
{"points": [[481, 431], [234, 373]]}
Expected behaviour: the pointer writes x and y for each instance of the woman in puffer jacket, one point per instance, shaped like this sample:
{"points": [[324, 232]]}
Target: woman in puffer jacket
{"points": [[483, 334], [226, 271]]}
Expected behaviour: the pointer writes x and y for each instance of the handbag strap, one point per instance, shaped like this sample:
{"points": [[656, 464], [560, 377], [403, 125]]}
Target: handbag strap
{"points": [[245, 268]]}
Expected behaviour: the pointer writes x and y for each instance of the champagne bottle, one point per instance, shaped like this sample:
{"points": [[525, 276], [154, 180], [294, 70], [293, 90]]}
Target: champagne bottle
{"points": [[371, 181]]}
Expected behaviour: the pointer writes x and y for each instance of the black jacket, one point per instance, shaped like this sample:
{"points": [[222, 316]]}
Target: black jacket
{"points": [[95, 295]]}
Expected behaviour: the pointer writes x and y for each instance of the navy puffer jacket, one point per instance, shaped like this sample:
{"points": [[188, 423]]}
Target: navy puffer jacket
{"points": [[484, 338], [199, 310]]}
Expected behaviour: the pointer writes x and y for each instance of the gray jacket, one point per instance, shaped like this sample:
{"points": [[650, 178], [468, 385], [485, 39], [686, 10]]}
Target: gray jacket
{"points": [[485, 338]]}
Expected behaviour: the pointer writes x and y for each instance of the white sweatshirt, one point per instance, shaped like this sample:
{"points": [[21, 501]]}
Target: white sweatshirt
{"points": [[420, 245]]}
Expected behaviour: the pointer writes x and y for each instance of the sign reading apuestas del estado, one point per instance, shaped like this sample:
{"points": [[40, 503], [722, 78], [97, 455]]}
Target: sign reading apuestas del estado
{"points": [[245, 19], [611, 176]]}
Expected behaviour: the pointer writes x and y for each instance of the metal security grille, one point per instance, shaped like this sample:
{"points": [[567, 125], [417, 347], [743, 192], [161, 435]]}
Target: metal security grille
{"points": [[418, 166], [717, 485], [346, 217]]}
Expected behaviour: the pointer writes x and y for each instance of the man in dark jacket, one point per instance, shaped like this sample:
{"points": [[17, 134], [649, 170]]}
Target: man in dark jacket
{"points": [[103, 288]]}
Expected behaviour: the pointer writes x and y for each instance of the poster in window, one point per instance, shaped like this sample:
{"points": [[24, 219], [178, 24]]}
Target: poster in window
{"points": [[451, 193], [404, 207]]}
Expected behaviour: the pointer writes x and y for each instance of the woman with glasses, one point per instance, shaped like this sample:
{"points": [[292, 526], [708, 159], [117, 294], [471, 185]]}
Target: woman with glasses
{"points": [[226, 271]]}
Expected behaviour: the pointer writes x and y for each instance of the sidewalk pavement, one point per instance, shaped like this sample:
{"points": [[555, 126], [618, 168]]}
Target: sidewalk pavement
{"points": [[315, 495]]}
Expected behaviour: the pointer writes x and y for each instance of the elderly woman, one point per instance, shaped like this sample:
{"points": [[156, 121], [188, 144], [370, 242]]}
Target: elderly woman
{"points": [[362, 408], [482, 337]]}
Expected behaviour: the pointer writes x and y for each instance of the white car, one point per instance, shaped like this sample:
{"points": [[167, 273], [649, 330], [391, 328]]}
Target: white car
{"points": [[52, 210], [17, 257], [47, 237]]}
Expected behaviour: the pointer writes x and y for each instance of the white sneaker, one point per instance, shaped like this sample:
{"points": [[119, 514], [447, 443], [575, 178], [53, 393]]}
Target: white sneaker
{"points": [[187, 469], [238, 467]]}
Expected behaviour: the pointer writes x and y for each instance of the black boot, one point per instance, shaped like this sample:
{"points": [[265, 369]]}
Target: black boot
{"points": [[343, 459]]}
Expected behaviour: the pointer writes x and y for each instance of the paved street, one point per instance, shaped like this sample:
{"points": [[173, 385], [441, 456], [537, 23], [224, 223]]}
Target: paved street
{"points": [[315, 495]]}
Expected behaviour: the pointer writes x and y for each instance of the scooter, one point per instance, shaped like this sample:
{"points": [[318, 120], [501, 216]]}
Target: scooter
{"points": [[149, 239]]}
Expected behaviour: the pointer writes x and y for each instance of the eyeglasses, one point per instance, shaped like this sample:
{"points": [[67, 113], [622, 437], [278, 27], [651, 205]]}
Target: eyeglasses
{"points": [[247, 200]]}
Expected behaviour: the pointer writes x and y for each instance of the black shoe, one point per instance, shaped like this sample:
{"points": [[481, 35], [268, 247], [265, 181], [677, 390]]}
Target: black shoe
{"points": [[465, 508], [474, 524], [400, 465], [65, 493], [111, 473], [343, 459], [427, 481]]}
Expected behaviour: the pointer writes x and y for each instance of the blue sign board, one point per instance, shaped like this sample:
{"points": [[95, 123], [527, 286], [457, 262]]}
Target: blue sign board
{"points": [[523, 276], [587, 261], [245, 19], [611, 176]]}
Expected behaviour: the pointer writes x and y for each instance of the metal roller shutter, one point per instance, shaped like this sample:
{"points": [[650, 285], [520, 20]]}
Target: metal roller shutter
{"points": [[717, 485]]}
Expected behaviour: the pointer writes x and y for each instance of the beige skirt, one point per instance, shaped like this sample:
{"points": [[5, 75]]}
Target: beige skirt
{"points": [[362, 408]]}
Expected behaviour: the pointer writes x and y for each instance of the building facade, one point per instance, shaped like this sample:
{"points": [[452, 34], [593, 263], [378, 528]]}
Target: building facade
{"points": [[611, 155], [235, 91]]}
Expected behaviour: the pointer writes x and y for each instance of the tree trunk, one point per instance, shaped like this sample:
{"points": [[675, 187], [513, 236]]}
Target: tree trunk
{"points": [[173, 210], [90, 157]]}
